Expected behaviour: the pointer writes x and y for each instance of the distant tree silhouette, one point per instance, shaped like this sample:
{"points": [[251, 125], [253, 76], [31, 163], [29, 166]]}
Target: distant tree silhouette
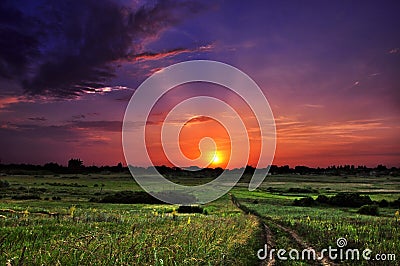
{"points": [[249, 169], [119, 167], [75, 164], [54, 167], [381, 167]]}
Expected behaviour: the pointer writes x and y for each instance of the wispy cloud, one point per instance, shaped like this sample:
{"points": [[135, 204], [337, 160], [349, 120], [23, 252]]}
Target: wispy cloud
{"points": [[333, 132], [314, 105], [161, 55], [198, 120], [8, 100], [104, 90]]}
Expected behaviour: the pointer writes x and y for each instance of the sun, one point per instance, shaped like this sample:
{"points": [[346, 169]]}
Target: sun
{"points": [[216, 159]]}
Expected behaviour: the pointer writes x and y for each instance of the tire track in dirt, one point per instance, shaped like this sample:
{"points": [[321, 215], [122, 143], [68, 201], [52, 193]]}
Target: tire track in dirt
{"points": [[269, 237], [267, 233]]}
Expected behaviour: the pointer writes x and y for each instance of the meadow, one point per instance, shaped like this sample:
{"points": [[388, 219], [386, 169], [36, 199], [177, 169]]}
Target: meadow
{"points": [[57, 220]]}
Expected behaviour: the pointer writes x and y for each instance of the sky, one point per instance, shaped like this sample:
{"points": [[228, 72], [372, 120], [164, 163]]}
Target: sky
{"points": [[329, 69]]}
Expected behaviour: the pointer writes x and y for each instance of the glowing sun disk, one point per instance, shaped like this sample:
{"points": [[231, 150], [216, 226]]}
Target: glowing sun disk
{"points": [[216, 159]]}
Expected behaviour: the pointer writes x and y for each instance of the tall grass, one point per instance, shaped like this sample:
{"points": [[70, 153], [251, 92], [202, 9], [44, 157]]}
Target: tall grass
{"points": [[142, 236]]}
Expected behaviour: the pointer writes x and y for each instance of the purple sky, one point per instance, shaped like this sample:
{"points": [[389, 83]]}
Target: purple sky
{"points": [[330, 70]]}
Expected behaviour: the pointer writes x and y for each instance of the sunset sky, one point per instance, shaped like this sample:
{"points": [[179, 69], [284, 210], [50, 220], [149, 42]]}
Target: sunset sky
{"points": [[329, 69]]}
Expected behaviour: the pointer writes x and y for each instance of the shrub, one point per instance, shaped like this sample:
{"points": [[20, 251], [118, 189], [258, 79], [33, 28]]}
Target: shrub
{"points": [[26, 197], [4, 184], [190, 209], [383, 203], [322, 199], [304, 202], [369, 210], [395, 204], [301, 190], [344, 199]]}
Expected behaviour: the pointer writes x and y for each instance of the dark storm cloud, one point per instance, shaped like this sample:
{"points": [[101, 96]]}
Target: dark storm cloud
{"points": [[18, 40], [64, 48]]}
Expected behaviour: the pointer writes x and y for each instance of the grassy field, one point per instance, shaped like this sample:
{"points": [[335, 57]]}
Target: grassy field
{"points": [[321, 226], [63, 225]]}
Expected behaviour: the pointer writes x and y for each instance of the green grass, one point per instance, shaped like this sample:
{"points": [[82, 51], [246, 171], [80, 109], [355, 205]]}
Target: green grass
{"points": [[322, 226], [128, 235], [142, 234]]}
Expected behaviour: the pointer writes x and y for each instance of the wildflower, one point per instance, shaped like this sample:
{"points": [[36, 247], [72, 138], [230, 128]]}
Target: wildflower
{"points": [[397, 214], [72, 210], [308, 219], [188, 222], [26, 213], [174, 214]]}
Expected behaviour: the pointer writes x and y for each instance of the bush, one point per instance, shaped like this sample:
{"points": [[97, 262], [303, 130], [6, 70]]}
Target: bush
{"points": [[322, 199], [395, 204], [190, 209], [26, 197], [369, 210], [344, 199], [304, 202], [341, 199], [301, 190], [4, 184], [383, 203]]}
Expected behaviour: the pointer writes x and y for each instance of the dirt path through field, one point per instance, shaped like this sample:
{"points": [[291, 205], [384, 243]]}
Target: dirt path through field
{"points": [[269, 236]]}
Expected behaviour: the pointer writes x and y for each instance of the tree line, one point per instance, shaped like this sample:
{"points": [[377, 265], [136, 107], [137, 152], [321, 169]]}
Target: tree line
{"points": [[75, 165]]}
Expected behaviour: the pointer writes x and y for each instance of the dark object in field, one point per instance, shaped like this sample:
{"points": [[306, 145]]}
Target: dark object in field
{"points": [[56, 198], [301, 190], [383, 203], [128, 197], [4, 184], [395, 204], [322, 199], [190, 209], [70, 177], [57, 184], [341, 199], [369, 210], [26, 197], [304, 202]]}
